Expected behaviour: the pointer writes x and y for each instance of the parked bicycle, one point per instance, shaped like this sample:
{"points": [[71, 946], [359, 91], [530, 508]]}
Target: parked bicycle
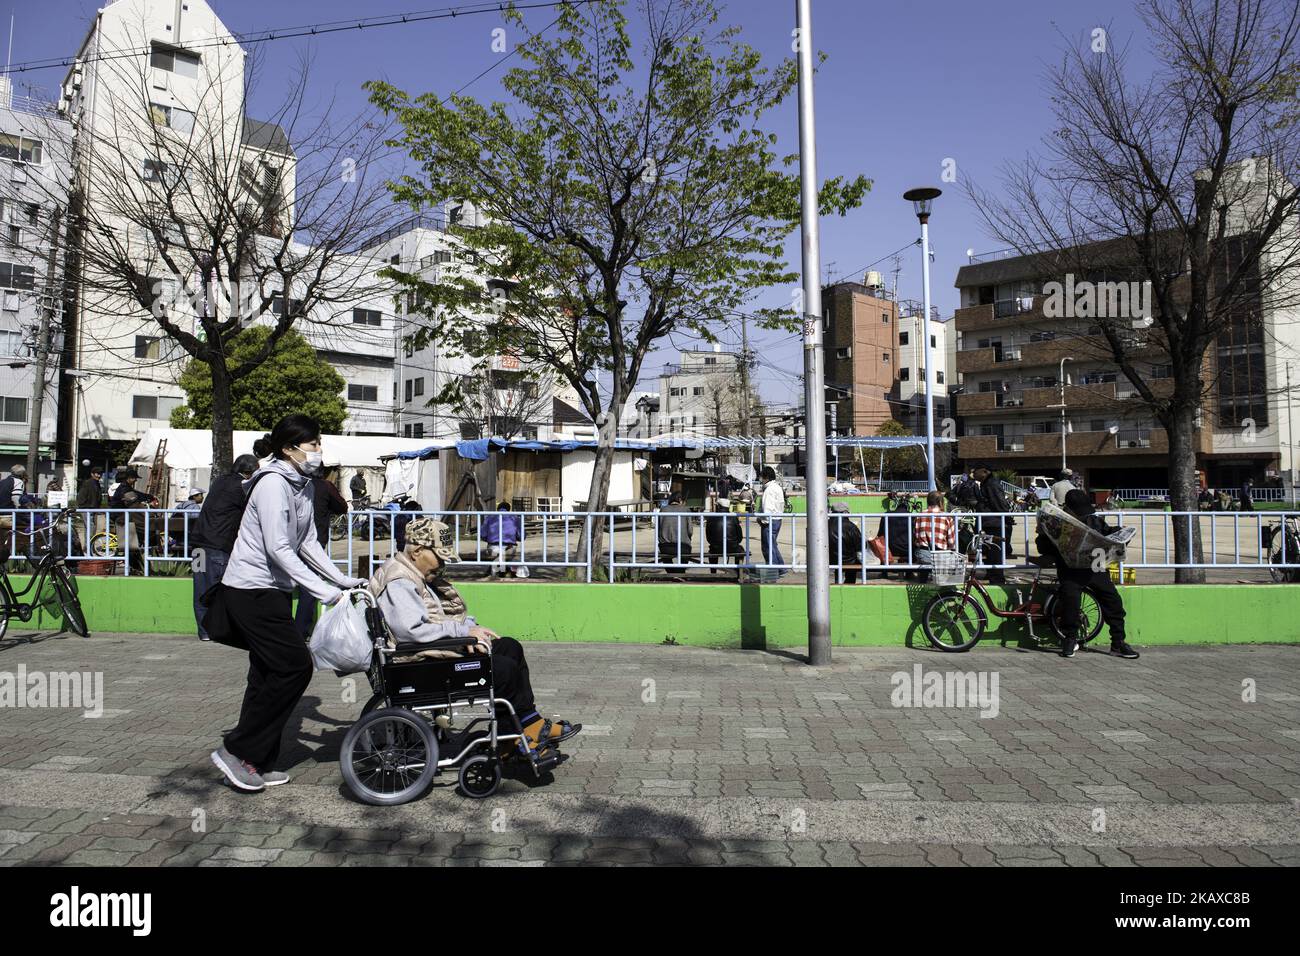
{"points": [[956, 618], [51, 567], [358, 519]]}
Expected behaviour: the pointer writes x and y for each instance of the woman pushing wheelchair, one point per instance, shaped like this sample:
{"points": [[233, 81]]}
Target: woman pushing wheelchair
{"points": [[420, 606]]}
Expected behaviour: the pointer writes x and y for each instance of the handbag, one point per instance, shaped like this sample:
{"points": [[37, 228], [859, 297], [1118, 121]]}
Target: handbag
{"points": [[877, 546], [216, 620]]}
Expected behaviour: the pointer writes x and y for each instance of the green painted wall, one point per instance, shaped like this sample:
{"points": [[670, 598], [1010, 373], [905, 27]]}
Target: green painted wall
{"points": [[728, 615], [858, 504]]}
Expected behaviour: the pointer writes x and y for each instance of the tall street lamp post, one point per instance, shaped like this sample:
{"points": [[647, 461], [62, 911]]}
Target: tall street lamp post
{"points": [[922, 199], [1061, 381]]}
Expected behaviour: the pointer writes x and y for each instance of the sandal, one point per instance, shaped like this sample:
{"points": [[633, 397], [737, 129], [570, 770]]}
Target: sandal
{"points": [[556, 732]]}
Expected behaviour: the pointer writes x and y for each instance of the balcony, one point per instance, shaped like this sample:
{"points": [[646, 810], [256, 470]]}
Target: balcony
{"points": [[1006, 313], [1152, 441]]}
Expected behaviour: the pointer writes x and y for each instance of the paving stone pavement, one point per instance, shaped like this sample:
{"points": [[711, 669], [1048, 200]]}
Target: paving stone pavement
{"points": [[693, 756]]}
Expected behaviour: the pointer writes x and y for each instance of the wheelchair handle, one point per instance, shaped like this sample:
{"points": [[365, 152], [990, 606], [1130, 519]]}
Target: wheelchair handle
{"points": [[364, 593]]}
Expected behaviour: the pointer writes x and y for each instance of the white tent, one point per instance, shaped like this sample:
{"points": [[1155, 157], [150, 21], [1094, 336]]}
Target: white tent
{"points": [[189, 456]]}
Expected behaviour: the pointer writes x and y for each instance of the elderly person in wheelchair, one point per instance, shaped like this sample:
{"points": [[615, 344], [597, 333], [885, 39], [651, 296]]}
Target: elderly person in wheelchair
{"points": [[420, 605]]}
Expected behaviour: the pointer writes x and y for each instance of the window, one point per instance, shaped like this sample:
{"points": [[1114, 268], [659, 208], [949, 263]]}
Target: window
{"points": [[14, 276], [408, 389], [884, 356], [11, 343], [395, 260], [367, 317], [15, 236], [406, 430], [156, 407], [902, 338], [938, 378], [1162, 371], [710, 360], [417, 430], [20, 149], [884, 318], [932, 344], [1097, 425], [419, 387], [156, 171], [697, 390], [277, 304], [676, 392], [174, 61], [146, 347], [363, 393], [173, 117], [904, 374], [15, 410]]}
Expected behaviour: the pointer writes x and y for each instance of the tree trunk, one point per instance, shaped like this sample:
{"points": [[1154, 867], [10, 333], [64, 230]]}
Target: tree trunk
{"points": [[223, 440], [598, 495], [1183, 492]]}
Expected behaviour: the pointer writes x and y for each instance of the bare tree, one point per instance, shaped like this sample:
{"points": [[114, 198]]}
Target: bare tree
{"points": [[498, 402], [1183, 183], [190, 222]]}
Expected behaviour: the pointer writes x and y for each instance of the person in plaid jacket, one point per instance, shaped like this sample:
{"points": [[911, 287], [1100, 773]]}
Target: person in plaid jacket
{"points": [[932, 533]]}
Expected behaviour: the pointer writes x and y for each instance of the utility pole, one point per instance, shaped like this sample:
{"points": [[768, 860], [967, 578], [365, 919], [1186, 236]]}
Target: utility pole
{"points": [[1290, 436], [744, 375], [42, 352], [818, 557]]}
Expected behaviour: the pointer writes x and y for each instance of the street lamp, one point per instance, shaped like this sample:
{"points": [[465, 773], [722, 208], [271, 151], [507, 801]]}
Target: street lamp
{"points": [[922, 200], [1061, 380]]}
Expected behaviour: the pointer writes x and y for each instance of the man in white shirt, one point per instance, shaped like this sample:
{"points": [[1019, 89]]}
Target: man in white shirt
{"points": [[771, 512], [1063, 487]]}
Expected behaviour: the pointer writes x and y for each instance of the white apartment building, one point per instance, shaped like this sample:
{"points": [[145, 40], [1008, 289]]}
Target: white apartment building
{"points": [[911, 369], [540, 409], [32, 194], [150, 77], [701, 394]]}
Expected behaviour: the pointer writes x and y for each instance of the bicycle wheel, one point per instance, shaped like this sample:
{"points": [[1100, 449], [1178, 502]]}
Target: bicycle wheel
{"points": [[103, 544], [389, 757], [953, 621], [65, 587], [1090, 620], [1283, 575], [338, 527]]}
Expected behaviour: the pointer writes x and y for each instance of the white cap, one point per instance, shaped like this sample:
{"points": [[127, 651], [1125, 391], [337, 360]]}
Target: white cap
{"points": [[195, 491]]}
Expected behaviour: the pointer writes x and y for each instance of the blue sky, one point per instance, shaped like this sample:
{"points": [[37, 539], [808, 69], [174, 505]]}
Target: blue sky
{"points": [[905, 86]]}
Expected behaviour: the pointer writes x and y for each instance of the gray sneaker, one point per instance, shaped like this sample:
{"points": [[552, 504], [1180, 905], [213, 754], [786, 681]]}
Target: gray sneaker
{"points": [[274, 778], [241, 774]]}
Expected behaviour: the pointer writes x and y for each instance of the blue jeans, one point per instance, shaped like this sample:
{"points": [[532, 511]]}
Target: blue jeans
{"points": [[771, 542], [214, 569]]}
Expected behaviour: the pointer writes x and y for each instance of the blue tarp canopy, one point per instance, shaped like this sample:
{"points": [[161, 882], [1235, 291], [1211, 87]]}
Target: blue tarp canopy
{"points": [[479, 449]]}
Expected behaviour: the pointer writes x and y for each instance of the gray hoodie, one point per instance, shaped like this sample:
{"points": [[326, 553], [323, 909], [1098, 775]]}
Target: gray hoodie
{"points": [[276, 546]]}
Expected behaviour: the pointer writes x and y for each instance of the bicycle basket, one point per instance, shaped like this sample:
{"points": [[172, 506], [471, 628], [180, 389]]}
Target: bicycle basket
{"points": [[949, 568]]}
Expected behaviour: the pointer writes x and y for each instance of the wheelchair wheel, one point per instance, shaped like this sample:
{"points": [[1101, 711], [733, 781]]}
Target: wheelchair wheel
{"points": [[1089, 615], [389, 756], [953, 621], [480, 776]]}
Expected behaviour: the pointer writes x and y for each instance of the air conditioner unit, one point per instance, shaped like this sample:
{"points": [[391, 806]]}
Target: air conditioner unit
{"points": [[1016, 446]]}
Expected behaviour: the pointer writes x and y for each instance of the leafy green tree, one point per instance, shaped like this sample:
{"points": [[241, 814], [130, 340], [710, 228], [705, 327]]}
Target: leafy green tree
{"points": [[626, 197], [901, 463], [293, 378]]}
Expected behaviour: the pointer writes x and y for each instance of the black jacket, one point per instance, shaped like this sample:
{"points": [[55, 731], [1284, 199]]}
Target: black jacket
{"points": [[90, 494], [7, 492], [327, 502], [718, 524], [965, 495], [852, 539], [218, 521]]}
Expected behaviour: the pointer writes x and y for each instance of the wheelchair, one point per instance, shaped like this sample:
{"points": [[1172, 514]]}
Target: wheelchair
{"points": [[428, 716]]}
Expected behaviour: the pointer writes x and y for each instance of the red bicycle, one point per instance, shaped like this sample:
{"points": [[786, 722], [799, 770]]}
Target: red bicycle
{"points": [[956, 618]]}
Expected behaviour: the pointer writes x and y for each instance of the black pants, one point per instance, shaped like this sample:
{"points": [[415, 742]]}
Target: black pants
{"points": [[1072, 583], [279, 670], [510, 679]]}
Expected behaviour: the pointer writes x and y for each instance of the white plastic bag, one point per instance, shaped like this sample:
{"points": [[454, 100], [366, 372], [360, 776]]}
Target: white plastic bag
{"points": [[341, 641]]}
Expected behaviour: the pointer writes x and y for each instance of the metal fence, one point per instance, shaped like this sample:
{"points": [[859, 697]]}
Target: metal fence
{"points": [[1162, 494], [157, 542]]}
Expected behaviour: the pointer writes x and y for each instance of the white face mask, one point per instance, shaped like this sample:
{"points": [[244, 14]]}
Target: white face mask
{"points": [[311, 464]]}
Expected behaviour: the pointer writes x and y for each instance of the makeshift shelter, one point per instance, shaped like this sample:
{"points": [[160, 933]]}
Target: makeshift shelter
{"points": [[188, 456], [531, 475]]}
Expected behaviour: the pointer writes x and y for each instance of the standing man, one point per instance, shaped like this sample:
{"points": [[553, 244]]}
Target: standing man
{"points": [[12, 487], [357, 485], [326, 502], [90, 497], [1063, 487], [1247, 496], [993, 502], [214, 532], [771, 513]]}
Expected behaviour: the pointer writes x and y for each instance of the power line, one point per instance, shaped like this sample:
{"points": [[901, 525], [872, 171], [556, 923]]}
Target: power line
{"points": [[306, 30]]}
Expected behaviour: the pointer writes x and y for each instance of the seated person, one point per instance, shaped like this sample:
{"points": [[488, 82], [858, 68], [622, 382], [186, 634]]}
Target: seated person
{"points": [[845, 531], [724, 535], [501, 532], [193, 501], [420, 605], [931, 533], [674, 533]]}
